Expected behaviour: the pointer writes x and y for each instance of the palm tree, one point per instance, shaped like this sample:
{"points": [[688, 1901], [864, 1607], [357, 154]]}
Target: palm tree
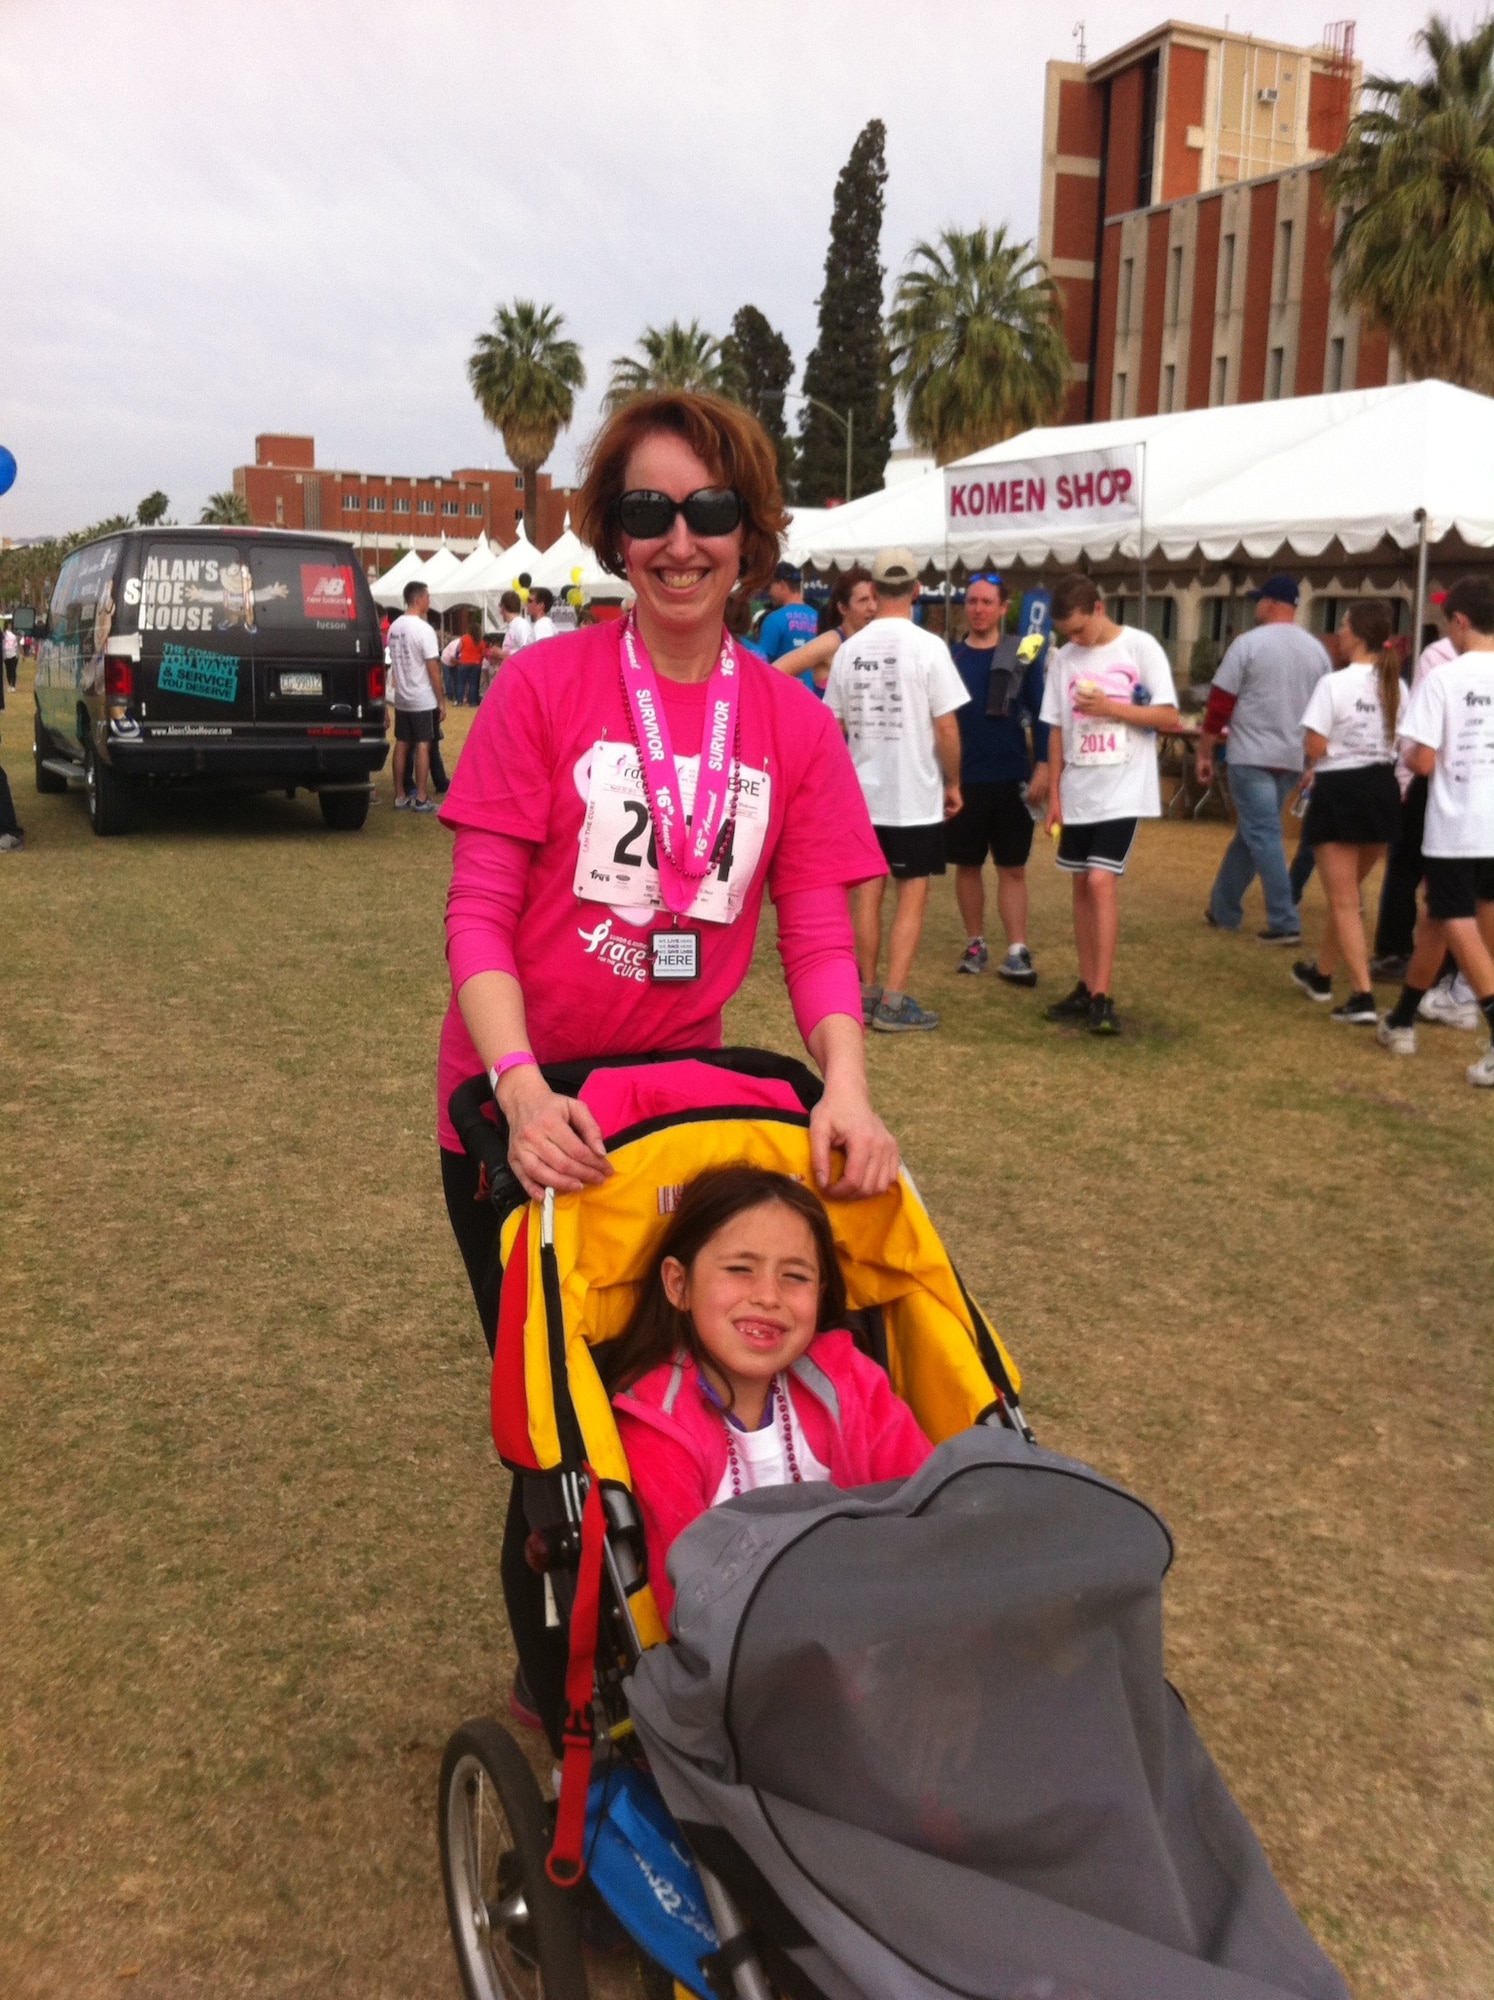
{"points": [[1416, 175], [225, 510], [977, 346], [525, 375], [672, 357]]}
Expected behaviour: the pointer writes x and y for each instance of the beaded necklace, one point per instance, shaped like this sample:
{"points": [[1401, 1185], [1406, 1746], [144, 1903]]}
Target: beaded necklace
{"points": [[778, 1396]]}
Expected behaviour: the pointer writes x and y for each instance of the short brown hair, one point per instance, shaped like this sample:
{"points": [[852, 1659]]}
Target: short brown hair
{"points": [[1073, 595], [1474, 597], [724, 436]]}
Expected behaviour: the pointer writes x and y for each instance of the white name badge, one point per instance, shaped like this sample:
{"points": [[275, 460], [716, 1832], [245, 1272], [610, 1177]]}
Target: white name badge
{"points": [[676, 955], [1097, 740], [618, 859]]}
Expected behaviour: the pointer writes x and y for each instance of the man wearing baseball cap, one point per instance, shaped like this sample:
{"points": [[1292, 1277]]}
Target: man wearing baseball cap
{"points": [[894, 690], [791, 623], [1259, 694]]}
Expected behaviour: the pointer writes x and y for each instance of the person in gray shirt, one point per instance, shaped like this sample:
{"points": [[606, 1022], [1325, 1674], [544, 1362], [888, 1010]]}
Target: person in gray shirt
{"points": [[1259, 694]]}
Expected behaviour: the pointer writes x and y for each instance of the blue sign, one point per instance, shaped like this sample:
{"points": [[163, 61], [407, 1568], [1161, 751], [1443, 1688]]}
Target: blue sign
{"points": [[1036, 614], [7, 469], [207, 676]]}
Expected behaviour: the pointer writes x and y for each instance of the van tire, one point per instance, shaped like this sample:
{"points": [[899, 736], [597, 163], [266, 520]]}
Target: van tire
{"points": [[111, 802], [345, 812], [46, 781]]}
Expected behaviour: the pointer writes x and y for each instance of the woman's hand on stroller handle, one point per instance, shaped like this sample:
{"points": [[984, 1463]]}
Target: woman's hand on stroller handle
{"points": [[846, 1119], [553, 1141]]}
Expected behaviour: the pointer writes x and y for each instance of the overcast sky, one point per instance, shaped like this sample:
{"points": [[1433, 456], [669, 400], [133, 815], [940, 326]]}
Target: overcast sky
{"points": [[223, 218]]}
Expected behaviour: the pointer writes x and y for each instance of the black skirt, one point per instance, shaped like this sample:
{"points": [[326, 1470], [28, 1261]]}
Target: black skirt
{"points": [[1357, 808]]}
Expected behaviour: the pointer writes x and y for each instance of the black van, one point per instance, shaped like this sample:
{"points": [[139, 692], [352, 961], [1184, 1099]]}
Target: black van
{"points": [[242, 658]]}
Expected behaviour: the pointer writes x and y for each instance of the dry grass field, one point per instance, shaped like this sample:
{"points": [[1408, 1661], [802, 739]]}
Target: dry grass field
{"points": [[249, 1510]]}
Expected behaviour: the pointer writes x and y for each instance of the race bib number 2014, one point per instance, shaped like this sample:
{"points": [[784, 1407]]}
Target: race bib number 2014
{"points": [[618, 861], [1098, 742]]}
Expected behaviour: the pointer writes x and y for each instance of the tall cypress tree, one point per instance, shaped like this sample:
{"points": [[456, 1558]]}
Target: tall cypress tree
{"points": [[848, 368], [760, 366]]}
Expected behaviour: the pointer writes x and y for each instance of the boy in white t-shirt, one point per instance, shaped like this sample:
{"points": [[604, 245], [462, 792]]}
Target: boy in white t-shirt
{"points": [[894, 689], [1109, 691], [419, 697], [1449, 726]]}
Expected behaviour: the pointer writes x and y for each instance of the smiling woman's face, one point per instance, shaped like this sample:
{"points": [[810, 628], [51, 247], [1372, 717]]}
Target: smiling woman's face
{"points": [[682, 579]]}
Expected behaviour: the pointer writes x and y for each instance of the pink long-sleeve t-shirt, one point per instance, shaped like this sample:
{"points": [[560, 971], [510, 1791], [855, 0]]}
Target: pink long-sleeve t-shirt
{"points": [[518, 803]]}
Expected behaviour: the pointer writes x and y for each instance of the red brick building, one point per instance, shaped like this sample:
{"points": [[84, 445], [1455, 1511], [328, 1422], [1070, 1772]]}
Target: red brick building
{"points": [[387, 512], [1183, 219]]}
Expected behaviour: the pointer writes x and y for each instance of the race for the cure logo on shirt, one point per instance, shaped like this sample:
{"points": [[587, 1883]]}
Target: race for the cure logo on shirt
{"points": [[618, 861], [1098, 739], [327, 591]]}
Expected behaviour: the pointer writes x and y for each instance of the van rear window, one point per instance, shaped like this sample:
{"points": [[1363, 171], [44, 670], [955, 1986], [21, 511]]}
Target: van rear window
{"points": [[301, 590], [193, 587]]}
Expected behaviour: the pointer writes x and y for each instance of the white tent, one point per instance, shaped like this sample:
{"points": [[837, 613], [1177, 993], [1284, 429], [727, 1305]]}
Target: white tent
{"points": [[1294, 476], [459, 587], [390, 588], [441, 567], [566, 555]]}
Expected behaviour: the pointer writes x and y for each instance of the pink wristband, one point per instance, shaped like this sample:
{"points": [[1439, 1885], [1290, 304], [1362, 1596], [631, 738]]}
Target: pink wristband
{"points": [[504, 1064]]}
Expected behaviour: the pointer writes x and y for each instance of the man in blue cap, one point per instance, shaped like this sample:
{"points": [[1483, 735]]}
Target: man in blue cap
{"points": [[1259, 695]]}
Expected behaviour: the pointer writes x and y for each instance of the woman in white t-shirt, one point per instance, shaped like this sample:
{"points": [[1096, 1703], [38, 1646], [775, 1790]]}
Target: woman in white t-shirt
{"points": [[1350, 725]]}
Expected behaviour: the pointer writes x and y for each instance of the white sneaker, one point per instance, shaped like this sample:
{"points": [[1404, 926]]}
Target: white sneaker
{"points": [[1443, 1006], [1481, 1073], [1399, 1041]]}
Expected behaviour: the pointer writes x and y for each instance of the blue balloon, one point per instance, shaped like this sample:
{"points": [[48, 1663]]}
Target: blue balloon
{"points": [[7, 469]]}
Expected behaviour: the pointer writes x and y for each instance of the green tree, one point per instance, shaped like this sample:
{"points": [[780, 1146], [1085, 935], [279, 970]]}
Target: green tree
{"points": [[847, 371], [152, 508], [671, 357], [978, 351], [525, 375], [760, 366], [1416, 176], [224, 510]]}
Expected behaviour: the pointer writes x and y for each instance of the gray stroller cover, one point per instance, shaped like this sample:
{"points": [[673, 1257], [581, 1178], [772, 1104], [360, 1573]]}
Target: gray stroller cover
{"points": [[922, 1732]]}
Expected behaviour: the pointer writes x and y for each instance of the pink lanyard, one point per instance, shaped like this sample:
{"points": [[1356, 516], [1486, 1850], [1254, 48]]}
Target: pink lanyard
{"points": [[680, 874]]}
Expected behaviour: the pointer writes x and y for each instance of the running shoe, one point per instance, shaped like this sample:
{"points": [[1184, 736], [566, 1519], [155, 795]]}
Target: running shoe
{"points": [[422, 805], [404, 802], [905, 1019], [1292, 936], [1017, 967], [1439, 1005], [1102, 1020], [871, 1000], [1399, 1041], [1316, 985], [12, 843], [1358, 1011], [1073, 1007], [976, 958], [1389, 968], [1481, 1073]]}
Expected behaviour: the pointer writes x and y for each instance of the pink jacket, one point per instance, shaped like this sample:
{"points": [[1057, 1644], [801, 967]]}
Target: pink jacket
{"points": [[676, 1443]]}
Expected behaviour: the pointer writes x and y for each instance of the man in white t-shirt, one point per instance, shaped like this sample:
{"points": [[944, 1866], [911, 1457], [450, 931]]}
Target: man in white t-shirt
{"points": [[418, 696], [1449, 727], [1109, 691], [541, 604], [894, 690]]}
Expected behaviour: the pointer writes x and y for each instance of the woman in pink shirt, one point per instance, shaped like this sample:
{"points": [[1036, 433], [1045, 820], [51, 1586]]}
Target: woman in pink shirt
{"points": [[627, 794], [568, 867]]}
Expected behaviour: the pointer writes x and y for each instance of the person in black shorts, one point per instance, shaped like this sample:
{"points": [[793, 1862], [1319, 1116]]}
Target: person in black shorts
{"points": [[894, 691], [997, 777], [1449, 726]]}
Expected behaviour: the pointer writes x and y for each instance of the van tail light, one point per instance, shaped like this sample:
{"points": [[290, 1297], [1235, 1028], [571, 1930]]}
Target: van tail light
{"points": [[376, 683], [119, 680]]}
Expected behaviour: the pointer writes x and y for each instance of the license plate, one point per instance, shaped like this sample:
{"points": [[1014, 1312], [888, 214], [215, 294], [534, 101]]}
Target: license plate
{"points": [[300, 683]]}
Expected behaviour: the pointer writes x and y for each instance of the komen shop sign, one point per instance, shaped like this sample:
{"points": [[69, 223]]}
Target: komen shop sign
{"points": [[1079, 488]]}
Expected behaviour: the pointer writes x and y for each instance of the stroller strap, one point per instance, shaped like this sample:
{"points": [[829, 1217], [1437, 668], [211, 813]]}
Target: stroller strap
{"points": [[566, 1865]]}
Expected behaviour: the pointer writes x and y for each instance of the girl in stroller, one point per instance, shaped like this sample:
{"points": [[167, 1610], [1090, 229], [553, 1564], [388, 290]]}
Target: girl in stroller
{"points": [[736, 1371]]}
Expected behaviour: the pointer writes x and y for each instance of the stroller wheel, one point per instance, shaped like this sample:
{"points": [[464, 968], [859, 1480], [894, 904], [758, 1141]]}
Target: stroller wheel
{"points": [[515, 1933]]}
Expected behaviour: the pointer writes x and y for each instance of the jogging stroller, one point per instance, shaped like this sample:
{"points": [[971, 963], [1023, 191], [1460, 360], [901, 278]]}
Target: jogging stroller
{"points": [[910, 1740]]}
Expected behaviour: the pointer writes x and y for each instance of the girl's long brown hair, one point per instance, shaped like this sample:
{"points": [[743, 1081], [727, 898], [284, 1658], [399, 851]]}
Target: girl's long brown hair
{"points": [[658, 1329], [1372, 621]]}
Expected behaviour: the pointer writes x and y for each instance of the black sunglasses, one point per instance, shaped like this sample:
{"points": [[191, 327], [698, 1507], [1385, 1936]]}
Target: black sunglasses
{"points": [[648, 516]]}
